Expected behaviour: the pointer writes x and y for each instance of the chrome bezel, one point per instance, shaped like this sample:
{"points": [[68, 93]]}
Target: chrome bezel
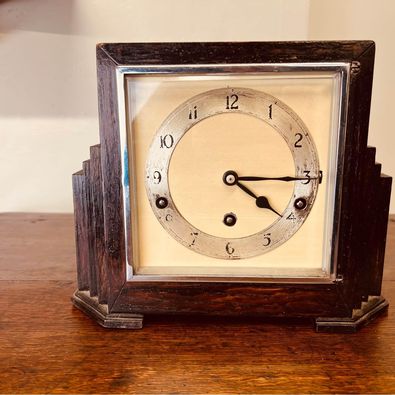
{"points": [[337, 145]]}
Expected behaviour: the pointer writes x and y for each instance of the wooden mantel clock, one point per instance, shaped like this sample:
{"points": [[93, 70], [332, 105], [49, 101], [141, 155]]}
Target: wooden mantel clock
{"points": [[232, 179]]}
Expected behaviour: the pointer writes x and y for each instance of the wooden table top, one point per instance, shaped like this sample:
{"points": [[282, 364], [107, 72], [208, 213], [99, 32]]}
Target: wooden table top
{"points": [[47, 346]]}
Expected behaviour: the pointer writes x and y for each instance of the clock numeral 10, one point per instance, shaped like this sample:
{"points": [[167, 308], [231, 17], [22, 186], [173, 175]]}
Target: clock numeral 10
{"points": [[231, 102], [166, 141]]}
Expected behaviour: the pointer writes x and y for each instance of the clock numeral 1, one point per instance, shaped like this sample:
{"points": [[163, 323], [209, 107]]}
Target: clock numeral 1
{"points": [[266, 239], [166, 141], [193, 113], [270, 111], [229, 249], [231, 102]]}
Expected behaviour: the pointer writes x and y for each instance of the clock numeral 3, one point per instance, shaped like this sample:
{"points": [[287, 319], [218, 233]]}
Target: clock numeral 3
{"points": [[166, 141], [231, 102], [307, 174], [266, 239]]}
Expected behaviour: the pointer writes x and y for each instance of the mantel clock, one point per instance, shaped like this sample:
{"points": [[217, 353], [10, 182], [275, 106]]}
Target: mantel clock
{"points": [[232, 179]]}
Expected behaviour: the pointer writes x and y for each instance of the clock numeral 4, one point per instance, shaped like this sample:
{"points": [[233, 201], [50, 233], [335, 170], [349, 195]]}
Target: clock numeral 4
{"points": [[291, 217], [231, 102]]}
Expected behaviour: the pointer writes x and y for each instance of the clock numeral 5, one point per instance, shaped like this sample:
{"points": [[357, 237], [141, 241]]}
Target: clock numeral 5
{"points": [[231, 102], [266, 239]]}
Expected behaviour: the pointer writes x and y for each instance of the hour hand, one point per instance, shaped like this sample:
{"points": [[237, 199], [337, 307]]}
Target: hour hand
{"points": [[231, 178]]}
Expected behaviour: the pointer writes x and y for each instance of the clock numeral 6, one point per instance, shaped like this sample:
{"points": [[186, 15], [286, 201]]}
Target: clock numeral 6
{"points": [[166, 141], [266, 239], [194, 235], [231, 102], [229, 249]]}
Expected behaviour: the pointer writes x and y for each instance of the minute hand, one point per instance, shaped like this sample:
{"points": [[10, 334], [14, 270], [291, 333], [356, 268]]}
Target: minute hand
{"points": [[286, 178]]}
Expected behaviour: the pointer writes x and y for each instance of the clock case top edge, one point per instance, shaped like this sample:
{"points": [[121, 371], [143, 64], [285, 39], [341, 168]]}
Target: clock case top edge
{"points": [[359, 273]]}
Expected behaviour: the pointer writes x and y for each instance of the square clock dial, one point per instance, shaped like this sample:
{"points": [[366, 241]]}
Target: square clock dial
{"points": [[232, 179]]}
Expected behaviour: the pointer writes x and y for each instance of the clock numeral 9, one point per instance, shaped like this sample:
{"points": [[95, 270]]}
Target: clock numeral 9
{"points": [[266, 239], [231, 102], [166, 141], [157, 177], [229, 249]]}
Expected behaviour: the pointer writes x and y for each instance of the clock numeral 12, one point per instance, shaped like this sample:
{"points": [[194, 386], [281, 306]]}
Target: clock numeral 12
{"points": [[231, 102]]}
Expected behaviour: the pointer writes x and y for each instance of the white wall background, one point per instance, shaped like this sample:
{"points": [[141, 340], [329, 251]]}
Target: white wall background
{"points": [[48, 102]]}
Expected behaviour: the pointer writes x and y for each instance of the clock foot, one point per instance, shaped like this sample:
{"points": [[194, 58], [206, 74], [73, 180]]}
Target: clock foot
{"points": [[369, 310], [99, 312]]}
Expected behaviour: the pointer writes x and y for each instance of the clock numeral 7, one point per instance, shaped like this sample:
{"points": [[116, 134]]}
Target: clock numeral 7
{"points": [[231, 102]]}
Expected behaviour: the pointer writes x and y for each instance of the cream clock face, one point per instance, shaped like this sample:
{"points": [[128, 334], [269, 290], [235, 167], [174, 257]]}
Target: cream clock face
{"points": [[274, 220], [233, 174]]}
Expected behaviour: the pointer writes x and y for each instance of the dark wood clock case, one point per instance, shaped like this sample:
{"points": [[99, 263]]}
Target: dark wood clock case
{"points": [[350, 301]]}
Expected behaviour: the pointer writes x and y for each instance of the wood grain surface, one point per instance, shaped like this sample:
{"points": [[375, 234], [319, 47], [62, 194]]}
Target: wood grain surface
{"points": [[47, 346]]}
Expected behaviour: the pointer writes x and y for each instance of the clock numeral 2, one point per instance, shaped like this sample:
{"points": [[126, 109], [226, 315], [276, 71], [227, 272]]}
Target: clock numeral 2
{"points": [[166, 141], [231, 102], [299, 138]]}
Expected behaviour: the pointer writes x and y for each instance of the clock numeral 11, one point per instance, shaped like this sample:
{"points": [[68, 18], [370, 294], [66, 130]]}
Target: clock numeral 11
{"points": [[193, 114]]}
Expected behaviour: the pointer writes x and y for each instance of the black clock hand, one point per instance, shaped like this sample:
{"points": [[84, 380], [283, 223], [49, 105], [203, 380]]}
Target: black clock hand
{"points": [[261, 201], [286, 178]]}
